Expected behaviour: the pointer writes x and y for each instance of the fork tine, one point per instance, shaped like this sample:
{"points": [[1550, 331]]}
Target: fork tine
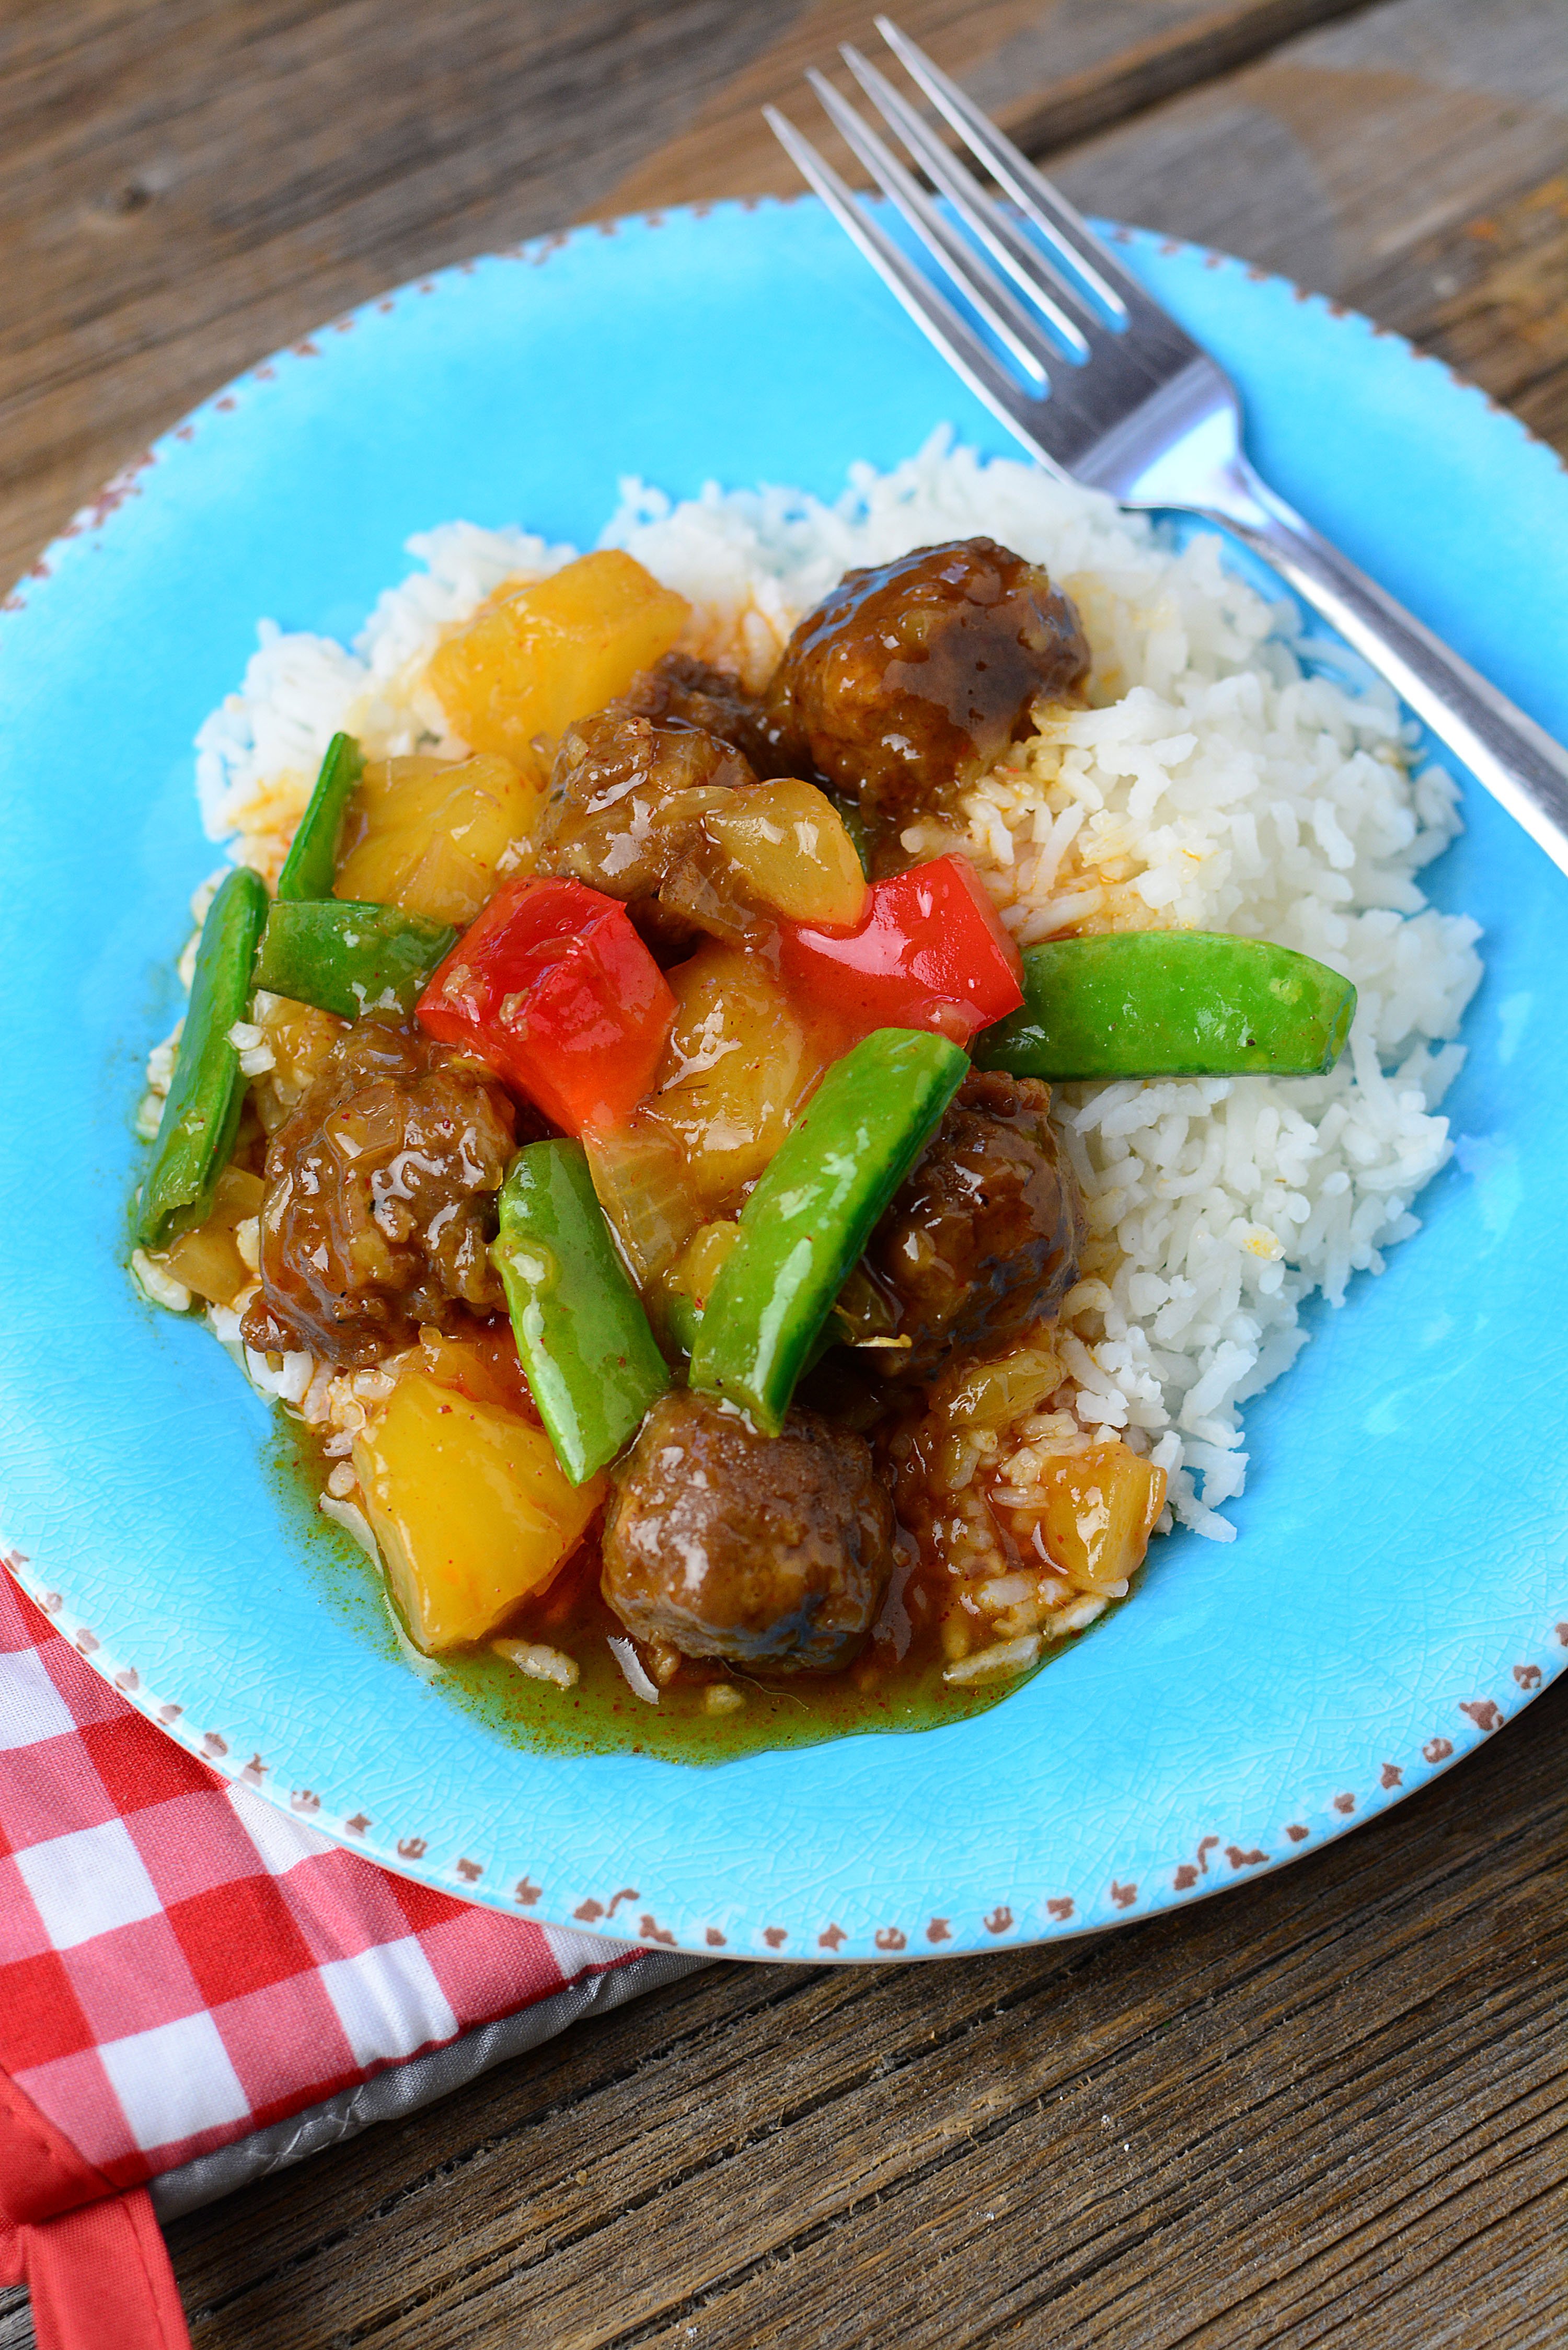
{"points": [[1039, 201], [932, 312], [996, 305], [1024, 264]]}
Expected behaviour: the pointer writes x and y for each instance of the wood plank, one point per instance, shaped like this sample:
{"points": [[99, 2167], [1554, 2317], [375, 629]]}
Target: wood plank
{"points": [[1493, 301], [184, 188], [161, 228], [1343, 157], [1047, 73], [1412, 162], [1346, 2085]]}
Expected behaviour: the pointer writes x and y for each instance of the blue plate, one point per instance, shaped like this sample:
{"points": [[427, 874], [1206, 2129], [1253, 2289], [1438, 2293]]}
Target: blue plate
{"points": [[1400, 1584]]}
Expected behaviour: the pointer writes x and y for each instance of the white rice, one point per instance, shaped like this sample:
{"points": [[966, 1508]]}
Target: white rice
{"points": [[1215, 782]]}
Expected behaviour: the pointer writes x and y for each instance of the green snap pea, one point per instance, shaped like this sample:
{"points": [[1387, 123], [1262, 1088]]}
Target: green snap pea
{"points": [[1170, 1004], [807, 1221], [196, 1133], [312, 858], [348, 958], [590, 1358], [683, 1319], [854, 823]]}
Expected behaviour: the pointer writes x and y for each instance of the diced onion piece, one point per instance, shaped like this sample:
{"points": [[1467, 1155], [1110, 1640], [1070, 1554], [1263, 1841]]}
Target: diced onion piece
{"points": [[713, 895], [739, 1063], [299, 1038], [866, 1313], [789, 843], [701, 1262], [640, 1181], [210, 1259], [1004, 1389]]}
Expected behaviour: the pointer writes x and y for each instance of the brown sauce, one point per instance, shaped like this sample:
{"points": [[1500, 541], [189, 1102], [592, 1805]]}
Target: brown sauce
{"points": [[601, 1715]]}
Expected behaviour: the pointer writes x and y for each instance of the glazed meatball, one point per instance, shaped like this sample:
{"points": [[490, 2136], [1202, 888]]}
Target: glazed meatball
{"points": [[906, 682], [769, 1550], [983, 1237], [381, 1200], [682, 688], [629, 791]]}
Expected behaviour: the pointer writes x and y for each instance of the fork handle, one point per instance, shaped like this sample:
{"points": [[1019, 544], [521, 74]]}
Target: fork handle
{"points": [[1509, 754]]}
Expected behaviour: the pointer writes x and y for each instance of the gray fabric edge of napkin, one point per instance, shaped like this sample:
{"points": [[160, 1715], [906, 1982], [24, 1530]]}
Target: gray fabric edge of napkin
{"points": [[405, 2086]]}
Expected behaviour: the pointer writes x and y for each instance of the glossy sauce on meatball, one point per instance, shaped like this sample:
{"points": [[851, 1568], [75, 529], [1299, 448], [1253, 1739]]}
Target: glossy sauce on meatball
{"points": [[380, 1198], [767, 1551], [983, 1237], [681, 687], [906, 682], [629, 791]]}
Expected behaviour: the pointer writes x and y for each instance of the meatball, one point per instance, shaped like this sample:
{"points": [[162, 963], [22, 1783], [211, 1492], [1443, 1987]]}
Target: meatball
{"points": [[985, 1235], [906, 682], [770, 1550], [629, 791], [380, 1199], [682, 688]]}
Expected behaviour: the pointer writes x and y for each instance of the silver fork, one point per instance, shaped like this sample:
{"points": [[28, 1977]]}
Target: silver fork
{"points": [[1119, 397]]}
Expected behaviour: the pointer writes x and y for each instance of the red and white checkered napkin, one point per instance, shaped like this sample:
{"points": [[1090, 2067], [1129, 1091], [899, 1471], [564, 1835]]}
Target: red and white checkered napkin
{"points": [[194, 1989]]}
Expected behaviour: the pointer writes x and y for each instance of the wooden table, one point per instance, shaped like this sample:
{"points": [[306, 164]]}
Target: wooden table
{"points": [[1328, 2108]]}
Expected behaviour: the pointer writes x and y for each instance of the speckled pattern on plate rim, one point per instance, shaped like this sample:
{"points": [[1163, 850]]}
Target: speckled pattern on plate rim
{"points": [[1064, 1913]]}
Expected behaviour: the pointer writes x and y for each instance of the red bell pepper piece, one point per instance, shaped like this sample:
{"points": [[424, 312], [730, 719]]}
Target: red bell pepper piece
{"points": [[555, 989], [930, 954]]}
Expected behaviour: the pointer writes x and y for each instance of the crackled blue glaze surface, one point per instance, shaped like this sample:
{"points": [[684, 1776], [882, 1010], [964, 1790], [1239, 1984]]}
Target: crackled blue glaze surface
{"points": [[1399, 1586]]}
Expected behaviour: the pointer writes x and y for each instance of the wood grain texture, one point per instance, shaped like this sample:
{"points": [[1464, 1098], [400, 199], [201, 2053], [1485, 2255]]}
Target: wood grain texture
{"points": [[1359, 159], [1047, 73], [183, 188], [1497, 308], [1328, 2109]]}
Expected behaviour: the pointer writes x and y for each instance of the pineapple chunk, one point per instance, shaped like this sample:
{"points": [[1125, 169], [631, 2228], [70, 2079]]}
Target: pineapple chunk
{"points": [[702, 1260], [484, 1367], [529, 665], [435, 838], [299, 1037], [1100, 1509], [207, 1258], [469, 1505]]}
